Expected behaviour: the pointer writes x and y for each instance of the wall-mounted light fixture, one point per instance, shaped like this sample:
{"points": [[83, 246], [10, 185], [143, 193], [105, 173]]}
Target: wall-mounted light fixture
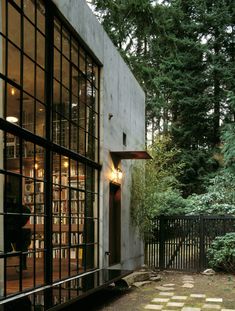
{"points": [[116, 175]]}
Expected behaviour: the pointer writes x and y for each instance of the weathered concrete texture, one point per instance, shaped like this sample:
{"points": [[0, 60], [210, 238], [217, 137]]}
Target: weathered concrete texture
{"points": [[121, 96]]}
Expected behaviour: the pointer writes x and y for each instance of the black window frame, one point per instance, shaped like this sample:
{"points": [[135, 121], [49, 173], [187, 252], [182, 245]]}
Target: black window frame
{"points": [[52, 12]]}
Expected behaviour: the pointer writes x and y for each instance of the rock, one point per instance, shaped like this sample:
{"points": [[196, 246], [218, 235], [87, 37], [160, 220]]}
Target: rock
{"points": [[208, 272], [155, 278], [133, 278], [139, 284]]}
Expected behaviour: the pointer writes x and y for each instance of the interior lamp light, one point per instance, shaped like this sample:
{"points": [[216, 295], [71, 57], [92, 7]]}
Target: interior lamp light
{"points": [[12, 119], [13, 91], [66, 164]]}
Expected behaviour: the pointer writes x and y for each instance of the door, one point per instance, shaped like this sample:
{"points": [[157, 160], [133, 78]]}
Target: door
{"points": [[114, 224]]}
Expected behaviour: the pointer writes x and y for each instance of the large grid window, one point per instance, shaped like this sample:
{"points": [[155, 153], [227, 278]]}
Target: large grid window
{"points": [[49, 149]]}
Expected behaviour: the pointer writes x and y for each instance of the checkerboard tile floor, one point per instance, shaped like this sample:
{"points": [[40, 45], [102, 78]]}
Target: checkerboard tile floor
{"points": [[168, 300]]}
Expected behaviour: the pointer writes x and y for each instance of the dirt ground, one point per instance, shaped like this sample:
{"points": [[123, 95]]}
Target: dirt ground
{"points": [[135, 299]]}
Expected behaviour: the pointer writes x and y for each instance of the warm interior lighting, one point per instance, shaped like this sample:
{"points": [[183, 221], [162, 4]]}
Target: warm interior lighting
{"points": [[66, 164], [13, 91], [36, 166], [116, 175], [12, 119]]}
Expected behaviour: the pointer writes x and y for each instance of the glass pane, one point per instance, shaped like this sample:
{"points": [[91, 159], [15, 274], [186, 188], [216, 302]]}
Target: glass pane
{"points": [[90, 98], [14, 25], [82, 90], [74, 137], [29, 39], [90, 124], [12, 162], [40, 119], [13, 105], [2, 55], [29, 9], [65, 43], [28, 76], [75, 81], [81, 141], [40, 82], [13, 63], [18, 2], [74, 52], [40, 49], [3, 21], [40, 16], [89, 68], [96, 76], [96, 99], [65, 102], [82, 62], [57, 67], [65, 72], [39, 268], [56, 128], [1, 155], [57, 34], [56, 96], [12, 276], [28, 113], [29, 150], [74, 109], [82, 115]]}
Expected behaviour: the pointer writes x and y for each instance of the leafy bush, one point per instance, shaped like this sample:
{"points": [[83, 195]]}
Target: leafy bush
{"points": [[219, 198], [154, 186], [221, 254]]}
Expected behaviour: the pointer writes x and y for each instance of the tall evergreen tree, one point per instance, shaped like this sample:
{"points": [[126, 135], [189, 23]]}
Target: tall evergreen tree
{"points": [[182, 53]]}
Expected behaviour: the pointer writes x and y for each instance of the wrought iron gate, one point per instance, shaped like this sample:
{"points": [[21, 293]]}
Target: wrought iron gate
{"points": [[181, 243]]}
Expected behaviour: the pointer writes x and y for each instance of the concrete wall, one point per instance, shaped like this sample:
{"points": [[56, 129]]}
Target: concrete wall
{"points": [[122, 97]]}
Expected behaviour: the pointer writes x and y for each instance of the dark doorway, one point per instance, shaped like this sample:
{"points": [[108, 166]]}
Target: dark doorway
{"points": [[114, 224]]}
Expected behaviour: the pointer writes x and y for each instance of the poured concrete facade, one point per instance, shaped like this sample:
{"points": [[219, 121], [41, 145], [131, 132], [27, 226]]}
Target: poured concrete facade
{"points": [[122, 97]]}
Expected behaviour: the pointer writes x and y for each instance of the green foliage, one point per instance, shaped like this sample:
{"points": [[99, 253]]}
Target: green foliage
{"points": [[221, 254], [219, 198], [154, 186], [228, 136]]}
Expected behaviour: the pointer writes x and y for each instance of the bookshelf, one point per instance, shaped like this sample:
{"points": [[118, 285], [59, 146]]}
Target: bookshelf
{"points": [[67, 213]]}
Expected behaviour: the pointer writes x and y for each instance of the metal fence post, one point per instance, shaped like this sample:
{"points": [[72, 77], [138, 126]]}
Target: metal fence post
{"points": [[201, 243], [162, 243]]}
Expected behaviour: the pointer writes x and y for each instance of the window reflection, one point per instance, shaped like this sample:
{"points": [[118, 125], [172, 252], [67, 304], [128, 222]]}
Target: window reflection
{"points": [[14, 25]]}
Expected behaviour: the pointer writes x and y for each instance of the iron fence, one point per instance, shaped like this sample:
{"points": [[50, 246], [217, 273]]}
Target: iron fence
{"points": [[181, 242]]}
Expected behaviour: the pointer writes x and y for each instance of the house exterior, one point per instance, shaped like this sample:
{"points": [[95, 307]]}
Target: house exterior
{"points": [[72, 121]]}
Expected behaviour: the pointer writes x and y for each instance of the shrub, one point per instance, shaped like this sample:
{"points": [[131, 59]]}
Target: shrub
{"points": [[221, 254]]}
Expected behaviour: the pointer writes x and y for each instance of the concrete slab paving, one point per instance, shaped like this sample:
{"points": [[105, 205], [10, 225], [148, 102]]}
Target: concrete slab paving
{"points": [[153, 307], [166, 294], [211, 306], [175, 304], [179, 297], [198, 295], [190, 309], [169, 285], [214, 300], [160, 300]]}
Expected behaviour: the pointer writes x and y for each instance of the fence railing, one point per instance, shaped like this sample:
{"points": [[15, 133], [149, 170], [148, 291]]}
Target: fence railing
{"points": [[181, 242]]}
